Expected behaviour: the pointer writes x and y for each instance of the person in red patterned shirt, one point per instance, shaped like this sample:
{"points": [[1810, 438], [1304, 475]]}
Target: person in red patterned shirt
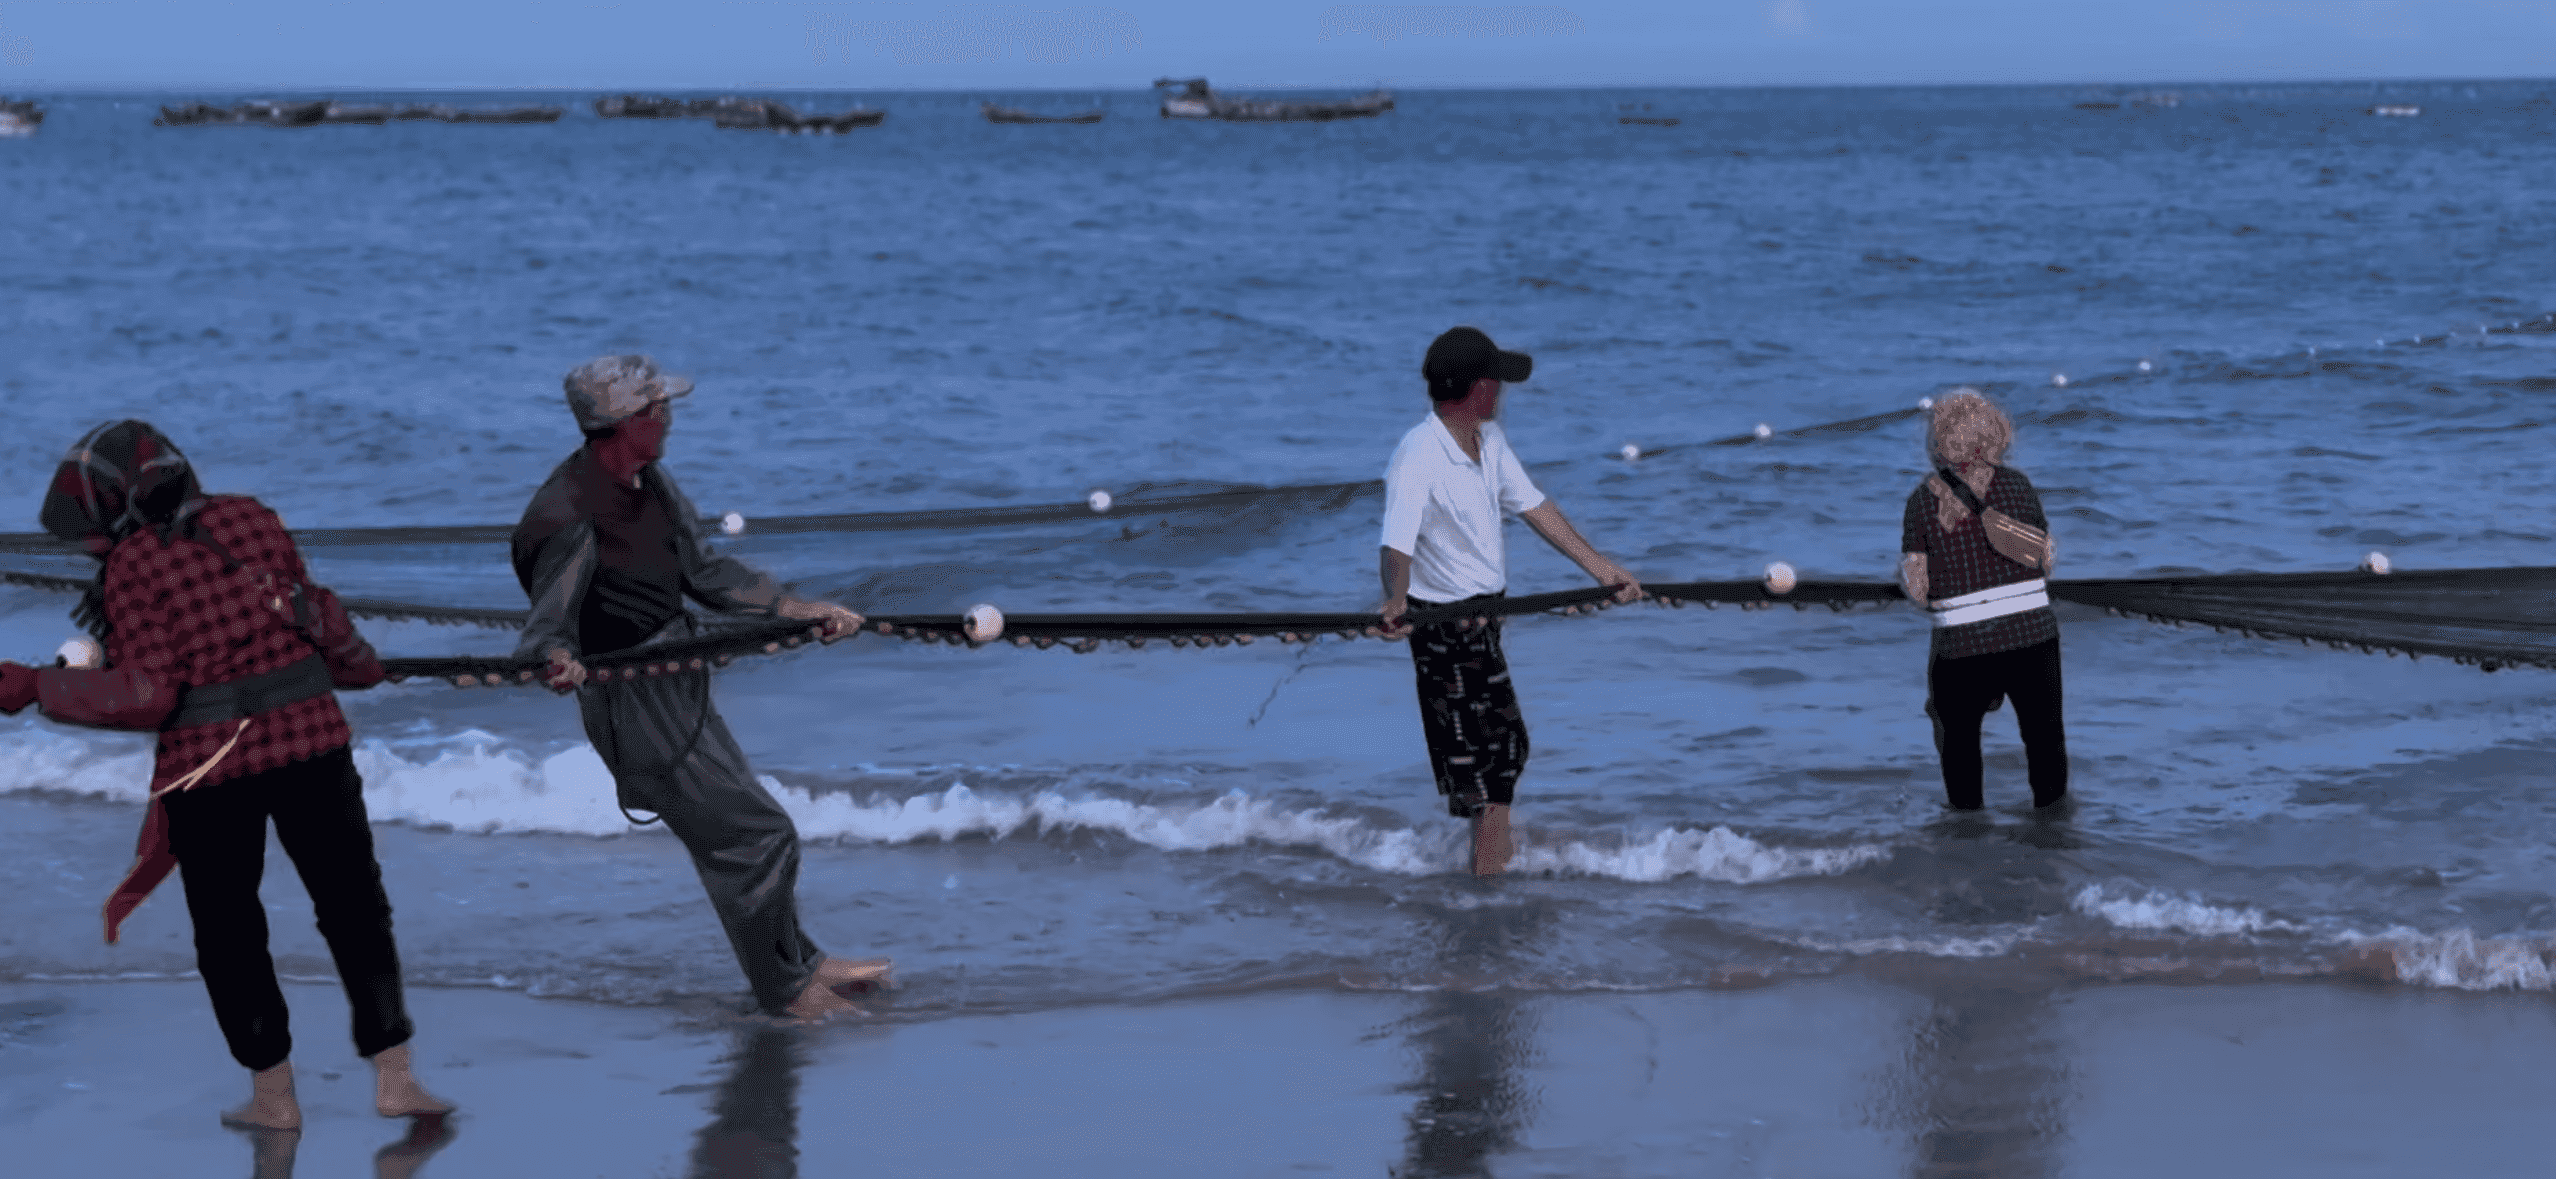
{"points": [[1974, 550], [214, 636]]}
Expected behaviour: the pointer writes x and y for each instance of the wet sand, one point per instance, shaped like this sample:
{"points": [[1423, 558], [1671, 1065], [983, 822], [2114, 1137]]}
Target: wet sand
{"points": [[1846, 1077]]}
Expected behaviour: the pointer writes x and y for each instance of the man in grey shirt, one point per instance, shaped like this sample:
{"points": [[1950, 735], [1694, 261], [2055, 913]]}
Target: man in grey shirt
{"points": [[608, 551]]}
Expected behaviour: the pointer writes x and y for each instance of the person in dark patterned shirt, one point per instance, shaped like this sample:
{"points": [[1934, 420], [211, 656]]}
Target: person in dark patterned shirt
{"points": [[608, 550], [215, 637], [1975, 548]]}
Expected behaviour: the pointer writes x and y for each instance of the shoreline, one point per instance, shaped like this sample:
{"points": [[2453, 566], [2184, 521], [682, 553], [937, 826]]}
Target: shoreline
{"points": [[1962, 1075]]}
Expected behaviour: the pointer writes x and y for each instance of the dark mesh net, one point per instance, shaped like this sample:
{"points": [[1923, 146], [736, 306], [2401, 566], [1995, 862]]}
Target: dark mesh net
{"points": [[2491, 618]]}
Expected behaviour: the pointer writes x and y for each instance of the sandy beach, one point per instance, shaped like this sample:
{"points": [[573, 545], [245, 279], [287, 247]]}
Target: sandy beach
{"points": [[1843, 1078]]}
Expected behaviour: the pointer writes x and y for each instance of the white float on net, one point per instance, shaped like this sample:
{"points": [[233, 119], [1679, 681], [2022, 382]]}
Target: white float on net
{"points": [[2058, 380], [1763, 430], [2376, 562], [1780, 578], [81, 653], [1630, 452], [1099, 500], [984, 623], [733, 524]]}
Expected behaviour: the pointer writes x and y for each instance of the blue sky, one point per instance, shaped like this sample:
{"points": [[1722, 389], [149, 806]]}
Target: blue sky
{"points": [[46, 44]]}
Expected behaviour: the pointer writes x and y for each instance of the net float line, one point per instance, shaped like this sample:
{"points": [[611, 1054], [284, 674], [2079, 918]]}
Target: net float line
{"points": [[2488, 618], [1082, 632], [1135, 499]]}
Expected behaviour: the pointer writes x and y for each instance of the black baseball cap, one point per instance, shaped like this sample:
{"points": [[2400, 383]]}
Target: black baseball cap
{"points": [[1462, 355]]}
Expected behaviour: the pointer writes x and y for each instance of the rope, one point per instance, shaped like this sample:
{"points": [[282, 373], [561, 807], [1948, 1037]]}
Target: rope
{"points": [[1139, 498], [2410, 613]]}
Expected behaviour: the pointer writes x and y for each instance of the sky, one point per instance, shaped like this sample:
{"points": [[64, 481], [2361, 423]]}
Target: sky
{"points": [[792, 44]]}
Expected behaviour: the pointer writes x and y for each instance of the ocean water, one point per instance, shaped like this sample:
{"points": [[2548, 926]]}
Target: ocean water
{"points": [[365, 326]]}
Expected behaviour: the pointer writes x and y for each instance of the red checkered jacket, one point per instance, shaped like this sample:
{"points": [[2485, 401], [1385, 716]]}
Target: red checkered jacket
{"points": [[182, 620]]}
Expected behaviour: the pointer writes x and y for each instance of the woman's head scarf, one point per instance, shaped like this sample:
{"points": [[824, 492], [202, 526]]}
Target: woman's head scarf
{"points": [[120, 478]]}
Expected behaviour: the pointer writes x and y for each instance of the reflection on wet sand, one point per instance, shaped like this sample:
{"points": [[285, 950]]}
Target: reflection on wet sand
{"points": [[1987, 1088], [1472, 1046], [754, 1118], [272, 1152]]}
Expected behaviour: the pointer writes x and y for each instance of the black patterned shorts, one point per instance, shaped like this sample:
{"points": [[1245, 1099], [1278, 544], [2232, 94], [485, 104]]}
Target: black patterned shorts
{"points": [[1469, 712]]}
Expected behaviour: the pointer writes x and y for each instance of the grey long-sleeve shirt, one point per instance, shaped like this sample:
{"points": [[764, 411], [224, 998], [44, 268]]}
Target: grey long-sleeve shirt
{"points": [[557, 554]]}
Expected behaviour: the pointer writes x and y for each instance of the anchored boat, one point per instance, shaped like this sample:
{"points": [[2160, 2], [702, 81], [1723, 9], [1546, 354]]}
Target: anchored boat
{"points": [[314, 113], [1195, 100], [1005, 114], [19, 118], [735, 113]]}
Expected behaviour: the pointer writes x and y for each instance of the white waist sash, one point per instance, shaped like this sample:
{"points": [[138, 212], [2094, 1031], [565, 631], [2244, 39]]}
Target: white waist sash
{"points": [[1993, 602]]}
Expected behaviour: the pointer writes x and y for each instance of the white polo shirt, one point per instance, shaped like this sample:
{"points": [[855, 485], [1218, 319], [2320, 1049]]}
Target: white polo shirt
{"points": [[1444, 510]]}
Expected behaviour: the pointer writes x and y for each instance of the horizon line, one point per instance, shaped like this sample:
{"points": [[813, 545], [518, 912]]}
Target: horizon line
{"points": [[1431, 85]]}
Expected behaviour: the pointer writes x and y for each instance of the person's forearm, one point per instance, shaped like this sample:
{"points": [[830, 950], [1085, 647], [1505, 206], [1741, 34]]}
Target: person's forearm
{"points": [[1547, 520], [105, 698], [1912, 576], [1393, 568]]}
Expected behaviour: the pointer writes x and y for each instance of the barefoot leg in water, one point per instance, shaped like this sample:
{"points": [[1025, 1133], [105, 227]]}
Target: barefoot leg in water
{"points": [[1491, 846], [818, 1003], [849, 976], [396, 1093], [271, 1105]]}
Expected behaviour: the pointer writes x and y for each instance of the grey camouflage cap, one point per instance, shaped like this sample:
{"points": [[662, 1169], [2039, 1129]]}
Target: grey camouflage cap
{"points": [[607, 389]]}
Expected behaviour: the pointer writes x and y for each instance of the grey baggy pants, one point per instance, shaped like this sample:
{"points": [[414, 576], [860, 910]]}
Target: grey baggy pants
{"points": [[670, 753]]}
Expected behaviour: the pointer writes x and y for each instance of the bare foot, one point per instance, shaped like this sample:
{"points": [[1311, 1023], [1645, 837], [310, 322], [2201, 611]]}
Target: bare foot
{"points": [[1491, 845], [396, 1093], [819, 1003], [852, 975], [271, 1105]]}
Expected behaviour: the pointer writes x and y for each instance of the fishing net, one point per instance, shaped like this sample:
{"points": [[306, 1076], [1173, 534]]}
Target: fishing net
{"points": [[2491, 618]]}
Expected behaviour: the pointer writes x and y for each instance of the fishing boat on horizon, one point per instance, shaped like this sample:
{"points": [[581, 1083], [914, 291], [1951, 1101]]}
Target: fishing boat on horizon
{"points": [[19, 118], [736, 113], [1006, 114], [313, 113], [1196, 100]]}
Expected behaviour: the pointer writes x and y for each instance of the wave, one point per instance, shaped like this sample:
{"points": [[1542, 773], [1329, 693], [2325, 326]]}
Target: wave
{"points": [[2155, 910], [469, 782], [2457, 959]]}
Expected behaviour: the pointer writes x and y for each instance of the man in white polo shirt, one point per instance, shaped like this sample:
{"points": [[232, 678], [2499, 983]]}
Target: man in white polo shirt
{"points": [[1446, 490]]}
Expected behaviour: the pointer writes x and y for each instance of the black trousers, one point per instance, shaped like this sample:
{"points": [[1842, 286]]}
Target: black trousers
{"points": [[1469, 712], [1960, 693], [218, 834]]}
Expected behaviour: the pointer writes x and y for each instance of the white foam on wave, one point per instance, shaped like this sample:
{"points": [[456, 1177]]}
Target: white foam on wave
{"points": [[2457, 959], [468, 783], [1236, 819], [1988, 945], [37, 758], [471, 782], [1717, 853], [2152, 909], [1228, 821]]}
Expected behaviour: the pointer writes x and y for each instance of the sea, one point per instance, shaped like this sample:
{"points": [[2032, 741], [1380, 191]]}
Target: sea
{"points": [[2198, 303]]}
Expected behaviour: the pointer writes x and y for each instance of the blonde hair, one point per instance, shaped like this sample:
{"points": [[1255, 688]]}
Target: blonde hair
{"points": [[1965, 428]]}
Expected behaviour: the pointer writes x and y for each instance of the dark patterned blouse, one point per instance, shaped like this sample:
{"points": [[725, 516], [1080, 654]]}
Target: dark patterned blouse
{"points": [[1961, 561]]}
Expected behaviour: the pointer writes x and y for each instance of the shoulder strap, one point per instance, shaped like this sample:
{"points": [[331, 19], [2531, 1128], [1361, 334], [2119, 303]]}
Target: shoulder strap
{"points": [[1961, 491]]}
